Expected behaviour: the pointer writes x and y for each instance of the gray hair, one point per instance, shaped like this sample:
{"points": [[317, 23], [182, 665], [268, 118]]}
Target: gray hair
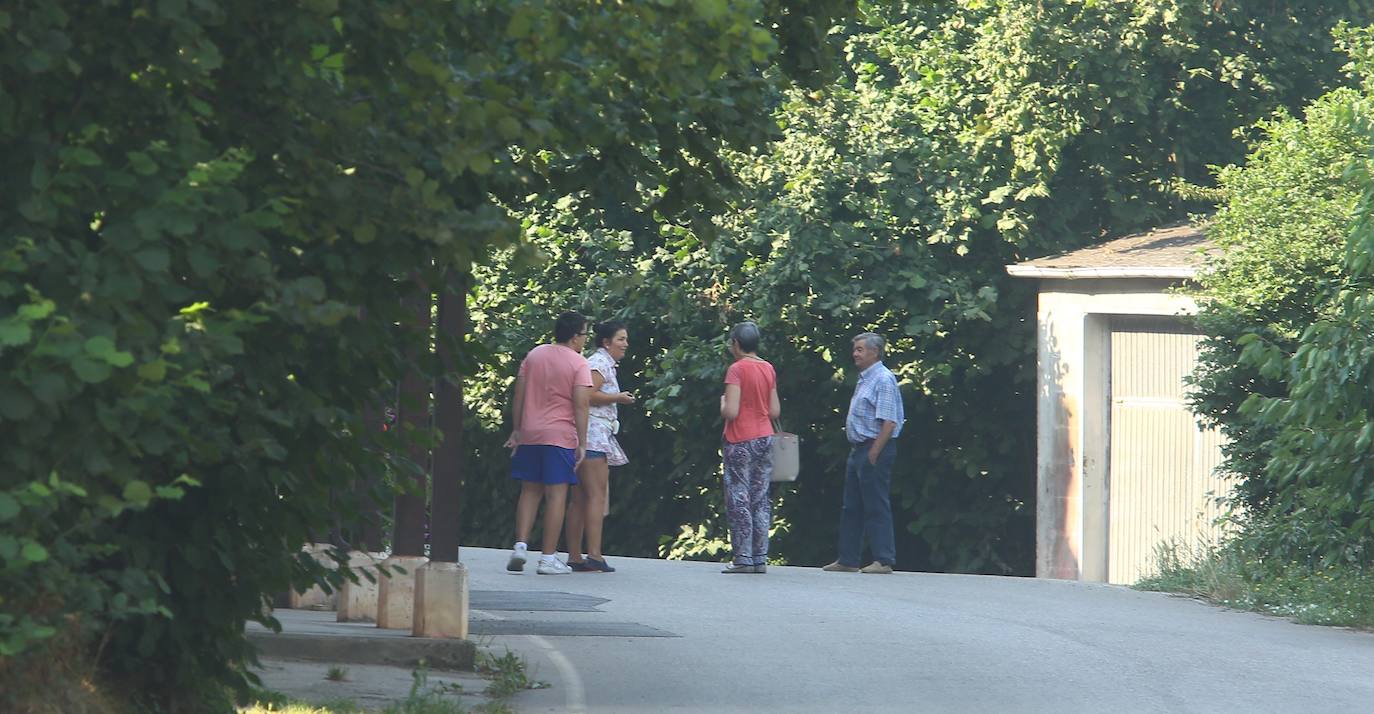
{"points": [[746, 335], [872, 341]]}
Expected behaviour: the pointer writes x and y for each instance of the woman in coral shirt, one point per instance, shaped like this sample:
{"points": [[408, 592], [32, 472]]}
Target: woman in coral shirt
{"points": [[749, 406]]}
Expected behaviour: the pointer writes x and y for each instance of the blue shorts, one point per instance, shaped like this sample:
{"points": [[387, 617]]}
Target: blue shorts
{"points": [[594, 454], [541, 463]]}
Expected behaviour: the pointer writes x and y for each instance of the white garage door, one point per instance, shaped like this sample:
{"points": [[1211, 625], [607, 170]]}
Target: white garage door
{"points": [[1161, 484]]}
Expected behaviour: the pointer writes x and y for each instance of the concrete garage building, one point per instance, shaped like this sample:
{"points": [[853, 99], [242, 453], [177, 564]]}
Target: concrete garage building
{"points": [[1122, 465]]}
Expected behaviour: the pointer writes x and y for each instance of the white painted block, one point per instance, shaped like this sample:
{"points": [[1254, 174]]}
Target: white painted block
{"points": [[316, 598], [396, 596], [441, 601], [358, 602]]}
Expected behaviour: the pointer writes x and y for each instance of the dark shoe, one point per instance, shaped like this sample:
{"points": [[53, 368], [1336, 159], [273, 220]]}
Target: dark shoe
{"points": [[876, 568], [732, 568], [592, 565], [580, 566], [838, 567], [760, 568]]}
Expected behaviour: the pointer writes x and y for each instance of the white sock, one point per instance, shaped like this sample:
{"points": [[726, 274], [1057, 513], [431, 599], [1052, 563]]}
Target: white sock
{"points": [[520, 545], [548, 558]]}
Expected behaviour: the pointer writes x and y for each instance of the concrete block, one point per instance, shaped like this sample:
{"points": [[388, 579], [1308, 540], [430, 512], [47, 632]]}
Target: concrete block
{"points": [[441, 601], [396, 596], [358, 602], [316, 637], [316, 598]]}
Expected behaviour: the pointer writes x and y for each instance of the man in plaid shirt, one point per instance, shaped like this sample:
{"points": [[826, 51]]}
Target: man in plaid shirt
{"points": [[872, 426]]}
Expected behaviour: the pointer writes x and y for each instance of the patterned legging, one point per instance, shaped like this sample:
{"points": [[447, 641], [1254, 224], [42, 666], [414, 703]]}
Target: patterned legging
{"points": [[748, 468]]}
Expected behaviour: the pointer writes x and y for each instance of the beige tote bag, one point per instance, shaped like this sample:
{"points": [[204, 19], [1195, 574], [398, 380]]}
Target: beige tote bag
{"points": [[786, 455]]}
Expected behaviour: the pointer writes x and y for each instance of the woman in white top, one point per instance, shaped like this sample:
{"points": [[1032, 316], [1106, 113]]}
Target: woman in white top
{"points": [[590, 495]]}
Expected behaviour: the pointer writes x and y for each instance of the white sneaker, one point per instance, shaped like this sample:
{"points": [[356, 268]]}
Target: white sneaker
{"points": [[518, 556], [553, 567]]}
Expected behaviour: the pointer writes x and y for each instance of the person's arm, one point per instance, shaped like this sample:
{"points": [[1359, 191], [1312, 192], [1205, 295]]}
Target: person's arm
{"points": [[774, 404], [729, 402], [600, 398], [581, 401], [884, 433], [517, 412]]}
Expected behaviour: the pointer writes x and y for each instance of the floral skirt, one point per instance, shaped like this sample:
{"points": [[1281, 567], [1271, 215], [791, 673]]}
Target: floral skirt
{"points": [[600, 438]]}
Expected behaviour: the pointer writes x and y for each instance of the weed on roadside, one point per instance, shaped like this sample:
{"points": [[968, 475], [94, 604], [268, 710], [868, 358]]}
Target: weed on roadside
{"points": [[1204, 571], [508, 674], [1313, 593], [426, 699], [282, 705]]}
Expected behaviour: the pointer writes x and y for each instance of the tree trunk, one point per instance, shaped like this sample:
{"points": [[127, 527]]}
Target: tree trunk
{"points": [[408, 523], [446, 503]]}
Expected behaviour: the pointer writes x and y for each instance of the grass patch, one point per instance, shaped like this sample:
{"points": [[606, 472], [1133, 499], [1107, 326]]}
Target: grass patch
{"points": [[335, 673], [1205, 572], [59, 676], [426, 699], [508, 674], [277, 704], [1316, 593]]}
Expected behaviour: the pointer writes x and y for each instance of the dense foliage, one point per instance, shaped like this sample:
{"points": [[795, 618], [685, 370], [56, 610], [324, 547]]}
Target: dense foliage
{"points": [[1283, 219], [219, 216], [959, 137], [1286, 368], [214, 214]]}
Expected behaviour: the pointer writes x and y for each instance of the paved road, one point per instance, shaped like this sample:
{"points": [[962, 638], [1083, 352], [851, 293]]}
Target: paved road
{"points": [[682, 637]]}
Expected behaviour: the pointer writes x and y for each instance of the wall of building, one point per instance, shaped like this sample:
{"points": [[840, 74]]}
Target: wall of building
{"points": [[1073, 409]]}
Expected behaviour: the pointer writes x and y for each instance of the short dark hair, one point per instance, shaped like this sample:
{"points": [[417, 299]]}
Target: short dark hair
{"points": [[606, 331], [746, 335], [568, 325]]}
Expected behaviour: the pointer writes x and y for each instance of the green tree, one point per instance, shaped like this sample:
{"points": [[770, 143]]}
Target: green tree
{"points": [[1285, 368], [216, 213], [1283, 220], [959, 137]]}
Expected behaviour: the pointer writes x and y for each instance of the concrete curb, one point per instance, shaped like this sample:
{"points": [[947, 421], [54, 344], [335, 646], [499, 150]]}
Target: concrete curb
{"points": [[434, 653]]}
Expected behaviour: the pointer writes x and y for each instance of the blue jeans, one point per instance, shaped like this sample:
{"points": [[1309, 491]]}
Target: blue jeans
{"points": [[868, 507]]}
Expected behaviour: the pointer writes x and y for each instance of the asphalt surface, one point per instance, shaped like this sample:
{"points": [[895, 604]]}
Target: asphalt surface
{"points": [[682, 637]]}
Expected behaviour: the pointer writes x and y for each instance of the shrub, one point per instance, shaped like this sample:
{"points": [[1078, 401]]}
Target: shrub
{"points": [[1284, 370]]}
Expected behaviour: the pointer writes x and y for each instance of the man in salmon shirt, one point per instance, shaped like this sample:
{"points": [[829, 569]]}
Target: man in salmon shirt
{"points": [[552, 395]]}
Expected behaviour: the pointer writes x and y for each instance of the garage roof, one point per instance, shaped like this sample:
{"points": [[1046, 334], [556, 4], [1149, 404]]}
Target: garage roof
{"points": [[1175, 251]]}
